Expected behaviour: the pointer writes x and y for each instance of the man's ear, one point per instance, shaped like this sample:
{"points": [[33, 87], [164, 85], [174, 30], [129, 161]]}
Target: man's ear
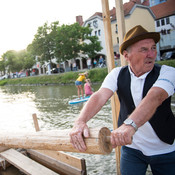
{"points": [[125, 54]]}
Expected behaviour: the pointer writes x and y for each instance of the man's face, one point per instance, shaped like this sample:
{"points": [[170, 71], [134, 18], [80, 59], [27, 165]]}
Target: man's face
{"points": [[141, 56]]}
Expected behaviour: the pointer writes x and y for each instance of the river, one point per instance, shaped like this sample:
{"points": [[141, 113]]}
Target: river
{"points": [[50, 103]]}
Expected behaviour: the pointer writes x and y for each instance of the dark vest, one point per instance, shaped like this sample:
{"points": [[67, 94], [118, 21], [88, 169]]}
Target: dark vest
{"points": [[163, 121]]}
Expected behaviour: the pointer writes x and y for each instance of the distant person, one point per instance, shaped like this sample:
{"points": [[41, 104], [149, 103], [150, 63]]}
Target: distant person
{"points": [[101, 61], [87, 88], [95, 62], [79, 83], [74, 66], [89, 63]]}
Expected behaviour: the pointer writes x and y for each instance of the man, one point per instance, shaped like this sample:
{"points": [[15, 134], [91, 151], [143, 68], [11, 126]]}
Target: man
{"points": [[146, 123]]}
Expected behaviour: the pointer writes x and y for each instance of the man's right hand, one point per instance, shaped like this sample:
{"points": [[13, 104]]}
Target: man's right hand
{"points": [[77, 135]]}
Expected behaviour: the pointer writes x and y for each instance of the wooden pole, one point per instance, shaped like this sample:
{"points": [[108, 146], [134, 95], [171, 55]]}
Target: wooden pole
{"points": [[57, 140], [121, 25], [110, 62], [35, 121]]}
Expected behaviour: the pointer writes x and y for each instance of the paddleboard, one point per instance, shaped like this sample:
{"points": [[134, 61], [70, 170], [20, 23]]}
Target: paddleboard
{"points": [[77, 100]]}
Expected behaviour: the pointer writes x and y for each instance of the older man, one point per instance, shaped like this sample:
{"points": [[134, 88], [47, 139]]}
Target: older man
{"points": [[146, 123]]}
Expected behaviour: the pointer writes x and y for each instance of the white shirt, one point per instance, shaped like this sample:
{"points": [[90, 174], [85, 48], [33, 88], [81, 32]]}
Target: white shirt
{"points": [[145, 139]]}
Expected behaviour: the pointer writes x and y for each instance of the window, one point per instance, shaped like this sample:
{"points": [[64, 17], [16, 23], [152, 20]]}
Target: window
{"points": [[162, 22], [95, 33], [168, 20], [95, 24], [116, 28], [89, 24], [118, 40], [158, 23], [153, 2], [99, 32]]}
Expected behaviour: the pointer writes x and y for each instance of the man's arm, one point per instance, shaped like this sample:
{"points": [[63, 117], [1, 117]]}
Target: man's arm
{"points": [[145, 110], [92, 107]]}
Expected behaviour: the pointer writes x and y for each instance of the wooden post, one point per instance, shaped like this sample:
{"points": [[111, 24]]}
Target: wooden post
{"points": [[110, 58], [35, 120], [121, 25], [110, 62]]}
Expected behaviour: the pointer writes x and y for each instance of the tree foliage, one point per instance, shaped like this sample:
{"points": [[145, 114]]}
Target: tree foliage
{"points": [[64, 42], [71, 40], [43, 42], [16, 61], [53, 41]]}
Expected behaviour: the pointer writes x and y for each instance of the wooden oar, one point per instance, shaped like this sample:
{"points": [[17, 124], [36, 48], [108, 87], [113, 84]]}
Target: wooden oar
{"points": [[57, 140]]}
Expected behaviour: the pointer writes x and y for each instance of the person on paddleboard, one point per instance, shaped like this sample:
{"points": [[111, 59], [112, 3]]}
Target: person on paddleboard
{"points": [[146, 122], [87, 88], [79, 83]]}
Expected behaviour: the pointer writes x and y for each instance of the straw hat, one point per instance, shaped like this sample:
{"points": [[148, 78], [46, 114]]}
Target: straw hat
{"points": [[136, 34]]}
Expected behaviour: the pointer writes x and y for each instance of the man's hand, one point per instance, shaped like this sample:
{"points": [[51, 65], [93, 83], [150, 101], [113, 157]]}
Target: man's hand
{"points": [[77, 135], [122, 135]]}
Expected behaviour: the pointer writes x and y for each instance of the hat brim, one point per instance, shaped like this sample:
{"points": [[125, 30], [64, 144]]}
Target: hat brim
{"points": [[151, 35]]}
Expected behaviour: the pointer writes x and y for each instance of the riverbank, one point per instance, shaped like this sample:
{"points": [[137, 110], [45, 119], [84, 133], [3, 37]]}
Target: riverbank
{"points": [[96, 75]]}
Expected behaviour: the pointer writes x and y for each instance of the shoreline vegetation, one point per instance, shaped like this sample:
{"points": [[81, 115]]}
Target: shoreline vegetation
{"points": [[96, 75]]}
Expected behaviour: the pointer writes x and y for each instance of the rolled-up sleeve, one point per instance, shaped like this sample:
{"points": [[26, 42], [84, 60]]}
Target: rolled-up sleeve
{"points": [[166, 79], [110, 81]]}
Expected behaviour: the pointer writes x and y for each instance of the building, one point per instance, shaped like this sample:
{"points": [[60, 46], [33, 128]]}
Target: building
{"points": [[165, 24], [135, 13]]}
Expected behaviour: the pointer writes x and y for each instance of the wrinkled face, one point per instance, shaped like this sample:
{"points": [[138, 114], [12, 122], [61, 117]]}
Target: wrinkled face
{"points": [[141, 56]]}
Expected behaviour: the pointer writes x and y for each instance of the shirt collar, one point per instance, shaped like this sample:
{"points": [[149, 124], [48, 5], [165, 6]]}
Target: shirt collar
{"points": [[141, 77]]}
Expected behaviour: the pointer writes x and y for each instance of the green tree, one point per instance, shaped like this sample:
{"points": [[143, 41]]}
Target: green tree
{"points": [[71, 40], [43, 42], [12, 63], [27, 60], [2, 66], [16, 61]]}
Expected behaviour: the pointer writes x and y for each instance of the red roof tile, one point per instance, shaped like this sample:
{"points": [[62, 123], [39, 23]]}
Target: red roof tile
{"points": [[164, 9]]}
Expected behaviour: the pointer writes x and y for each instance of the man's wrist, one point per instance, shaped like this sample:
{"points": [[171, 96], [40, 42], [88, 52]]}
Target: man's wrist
{"points": [[130, 122]]}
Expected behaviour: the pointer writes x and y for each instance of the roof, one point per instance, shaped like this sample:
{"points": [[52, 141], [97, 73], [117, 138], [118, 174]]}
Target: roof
{"points": [[96, 14], [127, 7], [164, 9]]}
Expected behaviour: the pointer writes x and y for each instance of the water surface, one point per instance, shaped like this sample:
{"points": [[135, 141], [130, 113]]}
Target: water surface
{"points": [[50, 103]]}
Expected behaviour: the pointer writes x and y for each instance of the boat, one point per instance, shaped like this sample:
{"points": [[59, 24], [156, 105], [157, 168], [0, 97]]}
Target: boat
{"points": [[79, 100]]}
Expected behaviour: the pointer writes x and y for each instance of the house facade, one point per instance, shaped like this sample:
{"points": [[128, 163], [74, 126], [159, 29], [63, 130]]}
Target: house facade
{"points": [[165, 24], [134, 14]]}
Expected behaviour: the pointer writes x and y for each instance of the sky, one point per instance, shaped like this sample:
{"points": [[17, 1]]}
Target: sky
{"points": [[20, 19]]}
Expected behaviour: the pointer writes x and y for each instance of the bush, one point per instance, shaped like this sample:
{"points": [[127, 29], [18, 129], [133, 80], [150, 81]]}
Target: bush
{"points": [[167, 62]]}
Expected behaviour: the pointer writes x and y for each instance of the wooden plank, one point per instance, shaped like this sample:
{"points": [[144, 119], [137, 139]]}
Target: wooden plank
{"points": [[25, 164], [3, 148], [57, 140], [63, 157], [55, 165]]}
